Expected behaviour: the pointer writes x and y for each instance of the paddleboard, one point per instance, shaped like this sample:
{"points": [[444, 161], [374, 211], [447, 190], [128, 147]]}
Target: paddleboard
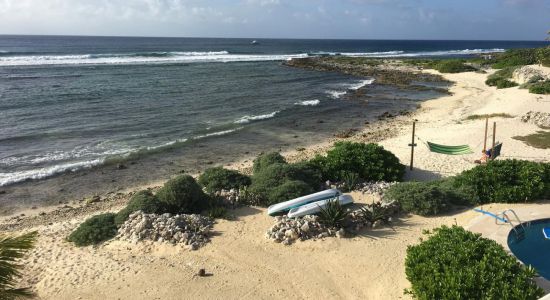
{"points": [[315, 207], [287, 205]]}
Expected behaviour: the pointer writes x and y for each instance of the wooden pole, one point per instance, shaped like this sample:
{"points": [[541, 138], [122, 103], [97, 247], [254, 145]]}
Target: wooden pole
{"points": [[494, 136], [485, 140], [412, 144]]}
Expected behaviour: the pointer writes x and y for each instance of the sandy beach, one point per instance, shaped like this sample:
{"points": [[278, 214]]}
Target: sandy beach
{"points": [[242, 263]]}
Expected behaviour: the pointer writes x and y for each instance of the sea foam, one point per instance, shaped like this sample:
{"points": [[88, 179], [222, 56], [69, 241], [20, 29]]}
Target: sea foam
{"points": [[308, 103], [248, 119]]}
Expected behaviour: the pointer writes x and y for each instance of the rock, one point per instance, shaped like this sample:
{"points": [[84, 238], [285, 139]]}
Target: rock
{"points": [[287, 242], [201, 273], [120, 166], [305, 227], [341, 233], [2, 192], [530, 73], [93, 199], [541, 119]]}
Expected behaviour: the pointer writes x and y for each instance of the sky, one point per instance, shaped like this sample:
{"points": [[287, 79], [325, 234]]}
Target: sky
{"points": [[346, 19]]}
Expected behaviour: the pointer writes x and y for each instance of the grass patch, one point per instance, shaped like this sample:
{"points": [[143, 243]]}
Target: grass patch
{"points": [[540, 140], [515, 57], [500, 78], [494, 115], [542, 88], [453, 66]]}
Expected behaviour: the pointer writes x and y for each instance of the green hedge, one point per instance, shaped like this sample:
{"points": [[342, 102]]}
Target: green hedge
{"points": [[94, 230], [370, 162], [182, 195], [217, 179], [543, 56], [289, 189], [425, 198], [457, 264], [506, 181], [142, 200]]}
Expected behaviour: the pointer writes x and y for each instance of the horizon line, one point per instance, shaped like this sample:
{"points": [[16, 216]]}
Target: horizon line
{"points": [[263, 38]]}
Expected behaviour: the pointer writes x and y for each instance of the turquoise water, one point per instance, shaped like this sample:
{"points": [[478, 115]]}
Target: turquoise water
{"points": [[534, 248]]}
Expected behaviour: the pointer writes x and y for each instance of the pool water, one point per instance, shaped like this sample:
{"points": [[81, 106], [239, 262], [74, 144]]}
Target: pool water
{"points": [[533, 248]]}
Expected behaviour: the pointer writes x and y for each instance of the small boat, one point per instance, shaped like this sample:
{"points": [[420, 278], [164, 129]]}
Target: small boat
{"points": [[283, 207], [254, 42], [315, 207], [546, 232]]}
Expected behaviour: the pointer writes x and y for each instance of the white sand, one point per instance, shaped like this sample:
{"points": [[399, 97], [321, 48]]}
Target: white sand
{"points": [[245, 265]]}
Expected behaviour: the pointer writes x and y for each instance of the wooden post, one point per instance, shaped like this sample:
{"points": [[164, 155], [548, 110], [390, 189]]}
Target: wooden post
{"points": [[494, 136], [412, 144], [485, 140]]}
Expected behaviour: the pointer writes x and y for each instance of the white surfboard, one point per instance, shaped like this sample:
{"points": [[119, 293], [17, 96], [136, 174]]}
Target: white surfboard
{"points": [[287, 205], [315, 207]]}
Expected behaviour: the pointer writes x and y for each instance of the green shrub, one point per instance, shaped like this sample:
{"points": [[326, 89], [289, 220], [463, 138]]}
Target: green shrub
{"points": [[272, 176], [182, 195], [453, 66], [506, 181], [543, 56], [457, 264], [333, 214], [500, 78], [422, 198], [142, 200], [370, 161], [267, 159], [289, 189], [515, 57], [217, 179], [94, 230], [540, 88]]}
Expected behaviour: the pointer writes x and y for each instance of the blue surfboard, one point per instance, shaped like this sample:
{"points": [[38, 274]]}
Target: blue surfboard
{"points": [[546, 232]]}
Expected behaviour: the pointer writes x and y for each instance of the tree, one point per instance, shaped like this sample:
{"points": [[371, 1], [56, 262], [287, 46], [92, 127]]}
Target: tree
{"points": [[11, 250]]}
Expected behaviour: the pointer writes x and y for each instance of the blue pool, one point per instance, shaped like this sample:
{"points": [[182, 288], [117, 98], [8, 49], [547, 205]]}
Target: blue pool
{"points": [[533, 249]]}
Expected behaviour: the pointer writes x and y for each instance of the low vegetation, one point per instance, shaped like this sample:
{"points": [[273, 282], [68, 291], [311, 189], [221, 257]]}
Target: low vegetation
{"points": [[217, 179], [452, 66], [540, 140], [12, 249], [501, 78], [267, 159], [424, 198], [515, 57], [505, 181], [142, 200], [484, 116], [370, 162], [333, 214], [182, 195], [457, 264], [94, 230], [542, 87]]}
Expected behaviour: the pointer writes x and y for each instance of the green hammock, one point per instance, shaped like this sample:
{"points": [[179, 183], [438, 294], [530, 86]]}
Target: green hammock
{"points": [[450, 150]]}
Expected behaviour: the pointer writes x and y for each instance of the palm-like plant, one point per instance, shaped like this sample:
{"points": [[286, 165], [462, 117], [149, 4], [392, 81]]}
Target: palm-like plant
{"points": [[333, 214], [375, 212], [11, 250]]}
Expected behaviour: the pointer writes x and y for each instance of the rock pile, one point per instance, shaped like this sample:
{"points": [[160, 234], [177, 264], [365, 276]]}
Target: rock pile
{"points": [[541, 119], [190, 230], [377, 187], [528, 74], [287, 230]]}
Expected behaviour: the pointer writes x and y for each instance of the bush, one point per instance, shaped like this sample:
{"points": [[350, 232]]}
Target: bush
{"points": [[540, 87], [289, 189], [506, 181], [94, 230], [422, 198], [267, 159], [142, 200], [457, 264], [543, 56], [217, 179], [272, 176], [500, 78], [182, 195], [370, 162], [453, 66], [515, 57]]}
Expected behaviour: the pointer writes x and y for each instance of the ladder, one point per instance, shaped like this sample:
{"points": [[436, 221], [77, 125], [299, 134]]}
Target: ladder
{"points": [[518, 228]]}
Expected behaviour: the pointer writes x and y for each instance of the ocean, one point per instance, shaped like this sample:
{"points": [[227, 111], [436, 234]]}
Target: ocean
{"points": [[72, 103]]}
